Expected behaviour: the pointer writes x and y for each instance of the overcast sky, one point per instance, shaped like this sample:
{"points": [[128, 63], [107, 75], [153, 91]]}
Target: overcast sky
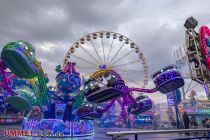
{"points": [[52, 26]]}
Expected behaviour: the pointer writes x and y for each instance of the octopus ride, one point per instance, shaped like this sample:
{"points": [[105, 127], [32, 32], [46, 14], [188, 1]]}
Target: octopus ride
{"points": [[100, 70]]}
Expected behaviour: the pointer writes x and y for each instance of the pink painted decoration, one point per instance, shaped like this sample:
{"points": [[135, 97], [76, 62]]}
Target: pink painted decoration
{"points": [[204, 31]]}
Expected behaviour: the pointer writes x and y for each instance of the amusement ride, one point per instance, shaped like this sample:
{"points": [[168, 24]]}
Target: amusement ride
{"points": [[100, 70]]}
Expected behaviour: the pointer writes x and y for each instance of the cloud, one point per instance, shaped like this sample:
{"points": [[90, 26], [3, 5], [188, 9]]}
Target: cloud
{"points": [[53, 26]]}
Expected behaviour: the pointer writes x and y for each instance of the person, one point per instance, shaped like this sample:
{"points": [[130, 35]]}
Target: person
{"points": [[194, 125], [35, 113], [204, 122], [186, 121], [208, 126], [173, 123], [50, 112], [192, 98], [68, 115], [193, 122]]}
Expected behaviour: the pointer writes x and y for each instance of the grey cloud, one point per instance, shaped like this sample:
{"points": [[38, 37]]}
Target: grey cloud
{"points": [[156, 26]]}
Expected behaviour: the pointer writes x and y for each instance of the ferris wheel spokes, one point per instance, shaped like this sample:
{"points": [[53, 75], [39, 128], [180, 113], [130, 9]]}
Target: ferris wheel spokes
{"points": [[135, 82], [82, 59], [89, 54], [121, 65], [110, 50], [102, 43], [117, 53], [119, 59], [96, 51], [126, 70]]}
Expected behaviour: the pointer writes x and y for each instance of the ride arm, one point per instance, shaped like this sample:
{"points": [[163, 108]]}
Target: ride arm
{"points": [[106, 108], [141, 90]]}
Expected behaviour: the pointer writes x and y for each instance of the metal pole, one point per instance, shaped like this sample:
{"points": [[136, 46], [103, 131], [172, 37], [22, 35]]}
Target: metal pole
{"points": [[177, 116], [177, 110], [183, 93], [136, 137]]}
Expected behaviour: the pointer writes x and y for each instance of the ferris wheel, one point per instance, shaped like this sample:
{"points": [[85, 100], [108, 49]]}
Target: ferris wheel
{"points": [[114, 65], [105, 50]]}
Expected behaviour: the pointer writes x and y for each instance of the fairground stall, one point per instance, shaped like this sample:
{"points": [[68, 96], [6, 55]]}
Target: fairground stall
{"points": [[200, 111]]}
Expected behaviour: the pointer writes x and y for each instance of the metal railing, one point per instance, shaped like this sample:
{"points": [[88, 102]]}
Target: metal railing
{"points": [[117, 135]]}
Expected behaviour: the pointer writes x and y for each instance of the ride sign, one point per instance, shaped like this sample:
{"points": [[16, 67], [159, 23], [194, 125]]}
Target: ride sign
{"points": [[174, 98]]}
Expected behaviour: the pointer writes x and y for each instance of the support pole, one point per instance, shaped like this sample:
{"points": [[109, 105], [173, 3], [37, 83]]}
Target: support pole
{"points": [[136, 137], [183, 93], [177, 110], [177, 116]]}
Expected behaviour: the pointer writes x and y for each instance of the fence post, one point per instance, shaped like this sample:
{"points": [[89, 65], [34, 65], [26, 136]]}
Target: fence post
{"points": [[136, 137]]}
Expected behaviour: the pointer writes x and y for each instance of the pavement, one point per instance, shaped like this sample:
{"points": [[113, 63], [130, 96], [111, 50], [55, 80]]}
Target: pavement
{"points": [[100, 134]]}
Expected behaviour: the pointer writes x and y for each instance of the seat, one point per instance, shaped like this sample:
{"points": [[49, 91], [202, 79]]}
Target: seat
{"points": [[103, 94], [19, 63], [168, 81], [143, 104], [89, 112]]}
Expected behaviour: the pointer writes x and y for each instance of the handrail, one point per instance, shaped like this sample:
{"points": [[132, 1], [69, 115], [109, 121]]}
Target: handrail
{"points": [[121, 133]]}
